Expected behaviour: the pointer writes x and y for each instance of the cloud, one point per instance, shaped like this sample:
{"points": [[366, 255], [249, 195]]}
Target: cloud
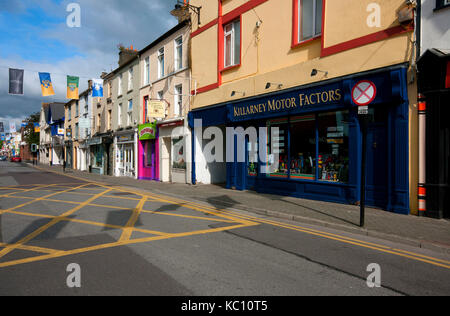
{"points": [[88, 50]]}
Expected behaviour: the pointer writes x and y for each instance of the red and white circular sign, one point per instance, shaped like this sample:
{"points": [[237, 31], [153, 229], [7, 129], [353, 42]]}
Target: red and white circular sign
{"points": [[364, 92]]}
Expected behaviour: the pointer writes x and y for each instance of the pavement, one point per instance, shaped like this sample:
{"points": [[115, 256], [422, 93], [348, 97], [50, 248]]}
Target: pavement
{"points": [[421, 232], [129, 239]]}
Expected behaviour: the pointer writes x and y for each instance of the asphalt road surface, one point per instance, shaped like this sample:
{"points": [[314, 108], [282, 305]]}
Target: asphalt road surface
{"points": [[124, 242]]}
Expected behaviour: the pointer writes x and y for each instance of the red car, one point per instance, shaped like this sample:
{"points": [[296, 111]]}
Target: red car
{"points": [[16, 159]]}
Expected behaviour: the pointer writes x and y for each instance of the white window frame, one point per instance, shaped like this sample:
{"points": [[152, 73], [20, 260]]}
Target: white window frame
{"points": [[161, 63], [130, 79], [300, 21], [178, 102], [147, 71], [232, 33], [178, 53], [119, 88], [119, 115], [130, 113]]}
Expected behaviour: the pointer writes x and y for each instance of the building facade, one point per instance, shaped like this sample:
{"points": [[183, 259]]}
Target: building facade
{"points": [[44, 136], [298, 71], [434, 87], [78, 120], [165, 102], [52, 133]]}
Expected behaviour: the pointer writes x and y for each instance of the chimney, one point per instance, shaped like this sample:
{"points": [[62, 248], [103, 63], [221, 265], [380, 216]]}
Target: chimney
{"points": [[126, 54]]}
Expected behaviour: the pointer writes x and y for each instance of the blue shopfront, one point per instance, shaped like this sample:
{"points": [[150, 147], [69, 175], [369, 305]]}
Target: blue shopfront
{"points": [[318, 140]]}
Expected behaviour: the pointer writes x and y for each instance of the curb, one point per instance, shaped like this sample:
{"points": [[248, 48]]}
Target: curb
{"points": [[418, 243]]}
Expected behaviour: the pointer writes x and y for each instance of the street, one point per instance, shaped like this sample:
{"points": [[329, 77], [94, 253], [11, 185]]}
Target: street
{"points": [[143, 243]]}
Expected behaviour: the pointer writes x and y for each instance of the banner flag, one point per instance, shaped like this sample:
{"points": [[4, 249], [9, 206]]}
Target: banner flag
{"points": [[16, 81], [12, 127], [97, 88], [46, 84], [72, 87]]}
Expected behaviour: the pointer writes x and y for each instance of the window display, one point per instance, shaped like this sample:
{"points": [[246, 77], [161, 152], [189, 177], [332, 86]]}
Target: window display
{"points": [[303, 147], [280, 146], [333, 161], [252, 158], [178, 160]]}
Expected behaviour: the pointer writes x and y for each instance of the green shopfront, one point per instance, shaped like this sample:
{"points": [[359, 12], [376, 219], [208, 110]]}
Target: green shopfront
{"points": [[318, 142]]}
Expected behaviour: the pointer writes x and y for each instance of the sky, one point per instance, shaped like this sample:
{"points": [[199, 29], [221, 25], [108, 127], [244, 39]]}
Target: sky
{"points": [[34, 36]]}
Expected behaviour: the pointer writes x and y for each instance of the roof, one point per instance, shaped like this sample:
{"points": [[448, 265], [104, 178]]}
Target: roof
{"points": [[439, 53], [57, 111], [177, 27]]}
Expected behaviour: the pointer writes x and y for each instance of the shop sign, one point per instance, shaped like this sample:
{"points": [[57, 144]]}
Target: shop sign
{"points": [[287, 103], [147, 131], [122, 139], [84, 122], [60, 131], [95, 141], [157, 109]]}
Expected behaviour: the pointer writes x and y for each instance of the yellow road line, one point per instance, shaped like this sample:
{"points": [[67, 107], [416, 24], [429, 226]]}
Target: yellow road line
{"points": [[48, 225], [31, 248], [188, 216], [117, 244], [28, 190], [344, 239], [126, 234], [36, 200], [142, 230], [381, 248]]}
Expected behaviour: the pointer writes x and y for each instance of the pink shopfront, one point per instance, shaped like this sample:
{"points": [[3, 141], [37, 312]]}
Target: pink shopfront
{"points": [[148, 168]]}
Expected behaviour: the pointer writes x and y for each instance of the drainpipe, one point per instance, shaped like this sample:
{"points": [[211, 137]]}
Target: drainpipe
{"points": [[422, 194]]}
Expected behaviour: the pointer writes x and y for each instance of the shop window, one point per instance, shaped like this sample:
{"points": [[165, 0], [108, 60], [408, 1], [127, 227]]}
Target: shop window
{"points": [[232, 43], [280, 147], [178, 160], [252, 158], [334, 147], [303, 147]]}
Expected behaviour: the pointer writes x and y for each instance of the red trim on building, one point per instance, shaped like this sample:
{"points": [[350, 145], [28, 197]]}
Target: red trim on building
{"points": [[295, 21], [232, 15], [204, 28], [221, 21], [144, 119], [222, 39], [447, 78], [206, 88], [364, 40]]}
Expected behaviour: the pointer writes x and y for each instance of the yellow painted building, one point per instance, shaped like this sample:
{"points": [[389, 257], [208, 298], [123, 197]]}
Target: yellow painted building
{"points": [[325, 57]]}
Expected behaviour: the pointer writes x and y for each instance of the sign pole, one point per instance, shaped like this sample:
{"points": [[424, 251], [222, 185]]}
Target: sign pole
{"points": [[363, 93], [364, 123]]}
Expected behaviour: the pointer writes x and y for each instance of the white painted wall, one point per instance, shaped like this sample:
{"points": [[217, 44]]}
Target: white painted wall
{"points": [[435, 27]]}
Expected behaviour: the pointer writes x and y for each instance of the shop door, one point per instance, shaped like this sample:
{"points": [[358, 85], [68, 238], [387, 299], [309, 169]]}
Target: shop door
{"points": [[377, 159], [129, 161]]}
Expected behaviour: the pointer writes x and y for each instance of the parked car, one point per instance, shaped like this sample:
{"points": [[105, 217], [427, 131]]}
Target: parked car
{"points": [[3, 158], [16, 159]]}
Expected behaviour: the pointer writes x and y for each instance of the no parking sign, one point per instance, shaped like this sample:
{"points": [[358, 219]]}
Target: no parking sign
{"points": [[363, 93]]}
